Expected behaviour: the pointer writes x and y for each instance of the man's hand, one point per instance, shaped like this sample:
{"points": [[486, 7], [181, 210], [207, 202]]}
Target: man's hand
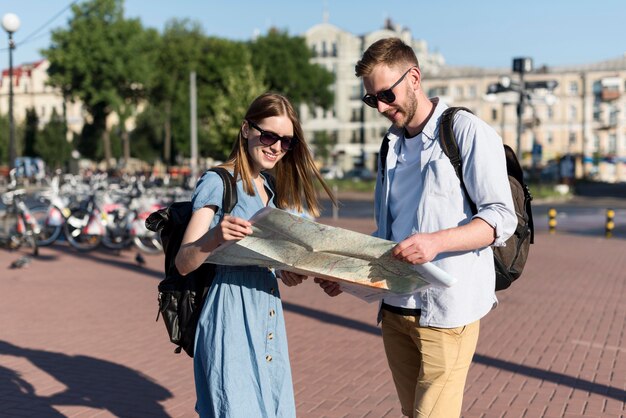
{"points": [[331, 288], [290, 278], [417, 249]]}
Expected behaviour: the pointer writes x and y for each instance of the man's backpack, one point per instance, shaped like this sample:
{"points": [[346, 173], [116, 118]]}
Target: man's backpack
{"points": [[509, 261], [181, 297]]}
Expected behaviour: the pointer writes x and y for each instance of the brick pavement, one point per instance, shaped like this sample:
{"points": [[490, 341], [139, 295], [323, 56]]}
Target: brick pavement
{"points": [[78, 339]]}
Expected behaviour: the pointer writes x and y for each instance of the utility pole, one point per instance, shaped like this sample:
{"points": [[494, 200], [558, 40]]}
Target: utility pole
{"points": [[194, 125]]}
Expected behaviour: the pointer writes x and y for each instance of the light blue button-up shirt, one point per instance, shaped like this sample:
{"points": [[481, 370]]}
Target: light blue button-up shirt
{"points": [[443, 205]]}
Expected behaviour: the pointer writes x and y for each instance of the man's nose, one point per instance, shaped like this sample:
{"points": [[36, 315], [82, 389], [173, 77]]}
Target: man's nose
{"points": [[381, 106]]}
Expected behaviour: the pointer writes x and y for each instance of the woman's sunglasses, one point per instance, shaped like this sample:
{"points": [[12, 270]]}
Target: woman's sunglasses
{"points": [[385, 96], [270, 138]]}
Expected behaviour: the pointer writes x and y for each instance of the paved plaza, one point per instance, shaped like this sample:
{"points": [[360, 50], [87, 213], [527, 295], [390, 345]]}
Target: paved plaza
{"points": [[78, 338]]}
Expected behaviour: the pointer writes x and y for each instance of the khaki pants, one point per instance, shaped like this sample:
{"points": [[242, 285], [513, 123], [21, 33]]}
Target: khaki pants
{"points": [[429, 365]]}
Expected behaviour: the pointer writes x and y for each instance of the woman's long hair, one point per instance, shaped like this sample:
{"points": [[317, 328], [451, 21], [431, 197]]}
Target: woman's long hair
{"points": [[295, 172]]}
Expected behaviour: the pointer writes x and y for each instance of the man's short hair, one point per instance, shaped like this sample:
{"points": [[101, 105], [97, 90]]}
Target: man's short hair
{"points": [[391, 52]]}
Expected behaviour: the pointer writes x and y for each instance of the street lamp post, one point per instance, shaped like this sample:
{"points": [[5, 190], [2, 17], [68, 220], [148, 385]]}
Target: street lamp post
{"points": [[521, 66], [11, 23]]}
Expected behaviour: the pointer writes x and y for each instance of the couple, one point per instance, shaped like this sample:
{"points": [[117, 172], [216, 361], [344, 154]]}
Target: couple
{"points": [[241, 365]]}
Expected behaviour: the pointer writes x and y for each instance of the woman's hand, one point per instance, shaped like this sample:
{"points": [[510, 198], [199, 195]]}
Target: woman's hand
{"points": [[331, 288], [232, 228], [290, 278]]}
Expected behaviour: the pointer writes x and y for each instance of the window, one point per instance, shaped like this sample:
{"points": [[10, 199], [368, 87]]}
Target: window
{"points": [[549, 138], [612, 144], [356, 115], [550, 112], [494, 114], [458, 92], [572, 112], [572, 138], [472, 92], [573, 88], [356, 92], [596, 143], [438, 91]]}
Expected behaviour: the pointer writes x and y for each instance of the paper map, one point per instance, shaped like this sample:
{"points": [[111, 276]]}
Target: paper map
{"points": [[361, 263]]}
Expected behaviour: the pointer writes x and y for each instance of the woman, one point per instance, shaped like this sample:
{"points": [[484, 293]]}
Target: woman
{"points": [[241, 363]]}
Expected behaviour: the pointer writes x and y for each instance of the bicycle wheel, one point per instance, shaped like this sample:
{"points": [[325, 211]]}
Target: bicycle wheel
{"points": [[117, 233], [148, 243], [50, 221], [82, 231]]}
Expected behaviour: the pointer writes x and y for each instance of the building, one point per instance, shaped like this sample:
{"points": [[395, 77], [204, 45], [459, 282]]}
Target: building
{"points": [[30, 91], [353, 130], [575, 114]]}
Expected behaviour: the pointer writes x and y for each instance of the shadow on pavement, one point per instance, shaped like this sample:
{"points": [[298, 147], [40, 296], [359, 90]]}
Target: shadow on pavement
{"points": [[559, 378], [104, 257], [89, 381]]}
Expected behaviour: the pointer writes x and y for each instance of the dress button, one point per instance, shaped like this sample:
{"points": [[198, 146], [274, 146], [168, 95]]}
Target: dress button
{"points": [[270, 336], [268, 358], [272, 312]]}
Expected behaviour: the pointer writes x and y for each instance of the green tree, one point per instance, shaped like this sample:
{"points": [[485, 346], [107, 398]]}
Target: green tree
{"points": [[31, 128], [147, 137], [103, 60], [178, 53], [229, 106], [226, 84], [51, 143], [284, 62]]}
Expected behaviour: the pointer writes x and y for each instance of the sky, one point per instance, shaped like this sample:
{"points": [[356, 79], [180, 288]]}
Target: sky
{"points": [[483, 33]]}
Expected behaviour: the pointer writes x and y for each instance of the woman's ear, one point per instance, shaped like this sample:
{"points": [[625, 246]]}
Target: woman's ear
{"points": [[244, 129]]}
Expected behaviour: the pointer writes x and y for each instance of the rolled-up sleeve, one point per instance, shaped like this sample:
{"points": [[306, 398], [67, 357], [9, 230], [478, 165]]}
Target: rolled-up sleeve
{"points": [[485, 175]]}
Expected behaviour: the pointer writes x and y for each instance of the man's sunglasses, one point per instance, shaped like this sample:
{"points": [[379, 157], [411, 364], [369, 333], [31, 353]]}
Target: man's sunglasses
{"points": [[270, 138], [385, 96]]}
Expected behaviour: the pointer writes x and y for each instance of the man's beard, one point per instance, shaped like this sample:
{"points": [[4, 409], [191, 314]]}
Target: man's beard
{"points": [[407, 111]]}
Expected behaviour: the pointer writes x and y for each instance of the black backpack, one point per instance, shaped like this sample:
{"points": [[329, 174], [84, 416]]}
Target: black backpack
{"points": [[509, 261], [181, 297]]}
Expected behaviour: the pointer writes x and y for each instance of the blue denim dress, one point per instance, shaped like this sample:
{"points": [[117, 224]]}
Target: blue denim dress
{"points": [[241, 361]]}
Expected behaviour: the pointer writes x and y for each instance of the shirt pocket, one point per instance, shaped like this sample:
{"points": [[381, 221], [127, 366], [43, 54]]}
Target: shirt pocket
{"points": [[441, 179]]}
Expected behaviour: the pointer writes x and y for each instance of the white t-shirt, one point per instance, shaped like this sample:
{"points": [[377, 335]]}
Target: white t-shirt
{"points": [[403, 200]]}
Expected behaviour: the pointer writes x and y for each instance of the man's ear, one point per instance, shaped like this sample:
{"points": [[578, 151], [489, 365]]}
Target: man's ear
{"points": [[416, 77]]}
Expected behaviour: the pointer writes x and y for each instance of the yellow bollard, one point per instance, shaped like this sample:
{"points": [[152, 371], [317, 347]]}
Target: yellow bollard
{"points": [[610, 224], [552, 220]]}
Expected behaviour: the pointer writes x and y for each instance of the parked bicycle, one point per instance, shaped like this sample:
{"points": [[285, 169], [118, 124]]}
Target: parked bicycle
{"points": [[17, 225]]}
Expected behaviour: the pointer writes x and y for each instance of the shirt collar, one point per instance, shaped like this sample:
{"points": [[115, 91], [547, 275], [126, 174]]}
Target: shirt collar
{"points": [[430, 129], [429, 133]]}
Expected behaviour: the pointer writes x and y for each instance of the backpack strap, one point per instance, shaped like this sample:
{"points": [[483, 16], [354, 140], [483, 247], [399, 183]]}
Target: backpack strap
{"points": [[451, 148], [384, 150], [229, 199]]}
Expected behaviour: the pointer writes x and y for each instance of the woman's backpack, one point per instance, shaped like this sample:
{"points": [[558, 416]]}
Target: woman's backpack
{"points": [[180, 297]]}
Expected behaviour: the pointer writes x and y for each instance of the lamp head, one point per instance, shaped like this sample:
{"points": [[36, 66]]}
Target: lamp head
{"points": [[10, 22]]}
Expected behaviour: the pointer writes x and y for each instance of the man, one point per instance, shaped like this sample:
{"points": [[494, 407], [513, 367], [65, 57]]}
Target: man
{"points": [[430, 337]]}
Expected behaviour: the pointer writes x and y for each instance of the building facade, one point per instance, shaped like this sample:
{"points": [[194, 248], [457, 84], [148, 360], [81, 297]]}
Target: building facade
{"points": [[575, 114], [31, 91]]}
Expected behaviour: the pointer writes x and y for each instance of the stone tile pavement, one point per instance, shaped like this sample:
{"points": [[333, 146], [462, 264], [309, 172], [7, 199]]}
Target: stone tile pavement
{"points": [[78, 339]]}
